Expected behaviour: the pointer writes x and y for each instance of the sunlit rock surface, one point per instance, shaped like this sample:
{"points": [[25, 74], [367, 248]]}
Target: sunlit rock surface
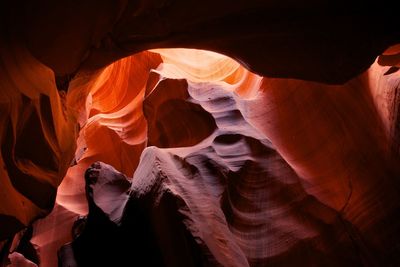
{"points": [[205, 162], [233, 167], [230, 198], [239, 189]]}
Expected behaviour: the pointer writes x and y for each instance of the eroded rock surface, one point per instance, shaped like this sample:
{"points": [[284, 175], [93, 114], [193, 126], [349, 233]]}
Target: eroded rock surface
{"points": [[59, 78], [322, 41], [231, 199]]}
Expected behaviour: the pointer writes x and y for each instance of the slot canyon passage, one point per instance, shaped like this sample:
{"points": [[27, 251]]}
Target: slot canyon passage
{"points": [[199, 133]]}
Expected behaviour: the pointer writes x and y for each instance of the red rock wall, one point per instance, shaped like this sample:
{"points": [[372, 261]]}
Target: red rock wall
{"points": [[289, 169], [60, 96]]}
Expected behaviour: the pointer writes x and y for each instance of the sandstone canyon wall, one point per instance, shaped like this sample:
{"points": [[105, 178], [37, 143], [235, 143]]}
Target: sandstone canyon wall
{"points": [[287, 154]]}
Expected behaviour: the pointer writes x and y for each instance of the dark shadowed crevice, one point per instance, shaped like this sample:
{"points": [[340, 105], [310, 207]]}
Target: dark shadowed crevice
{"points": [[41, 193]]}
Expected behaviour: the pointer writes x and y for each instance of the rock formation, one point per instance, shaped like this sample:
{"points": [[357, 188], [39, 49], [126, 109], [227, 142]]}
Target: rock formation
{"points": [[284, 154]]}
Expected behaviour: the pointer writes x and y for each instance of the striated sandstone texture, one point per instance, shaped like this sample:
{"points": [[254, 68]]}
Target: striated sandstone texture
{"points": [[235, 177], [285, 154]]}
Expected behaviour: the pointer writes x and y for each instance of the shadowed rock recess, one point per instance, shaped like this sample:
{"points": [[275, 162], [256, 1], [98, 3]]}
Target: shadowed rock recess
{"points": [[208, 133]]}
